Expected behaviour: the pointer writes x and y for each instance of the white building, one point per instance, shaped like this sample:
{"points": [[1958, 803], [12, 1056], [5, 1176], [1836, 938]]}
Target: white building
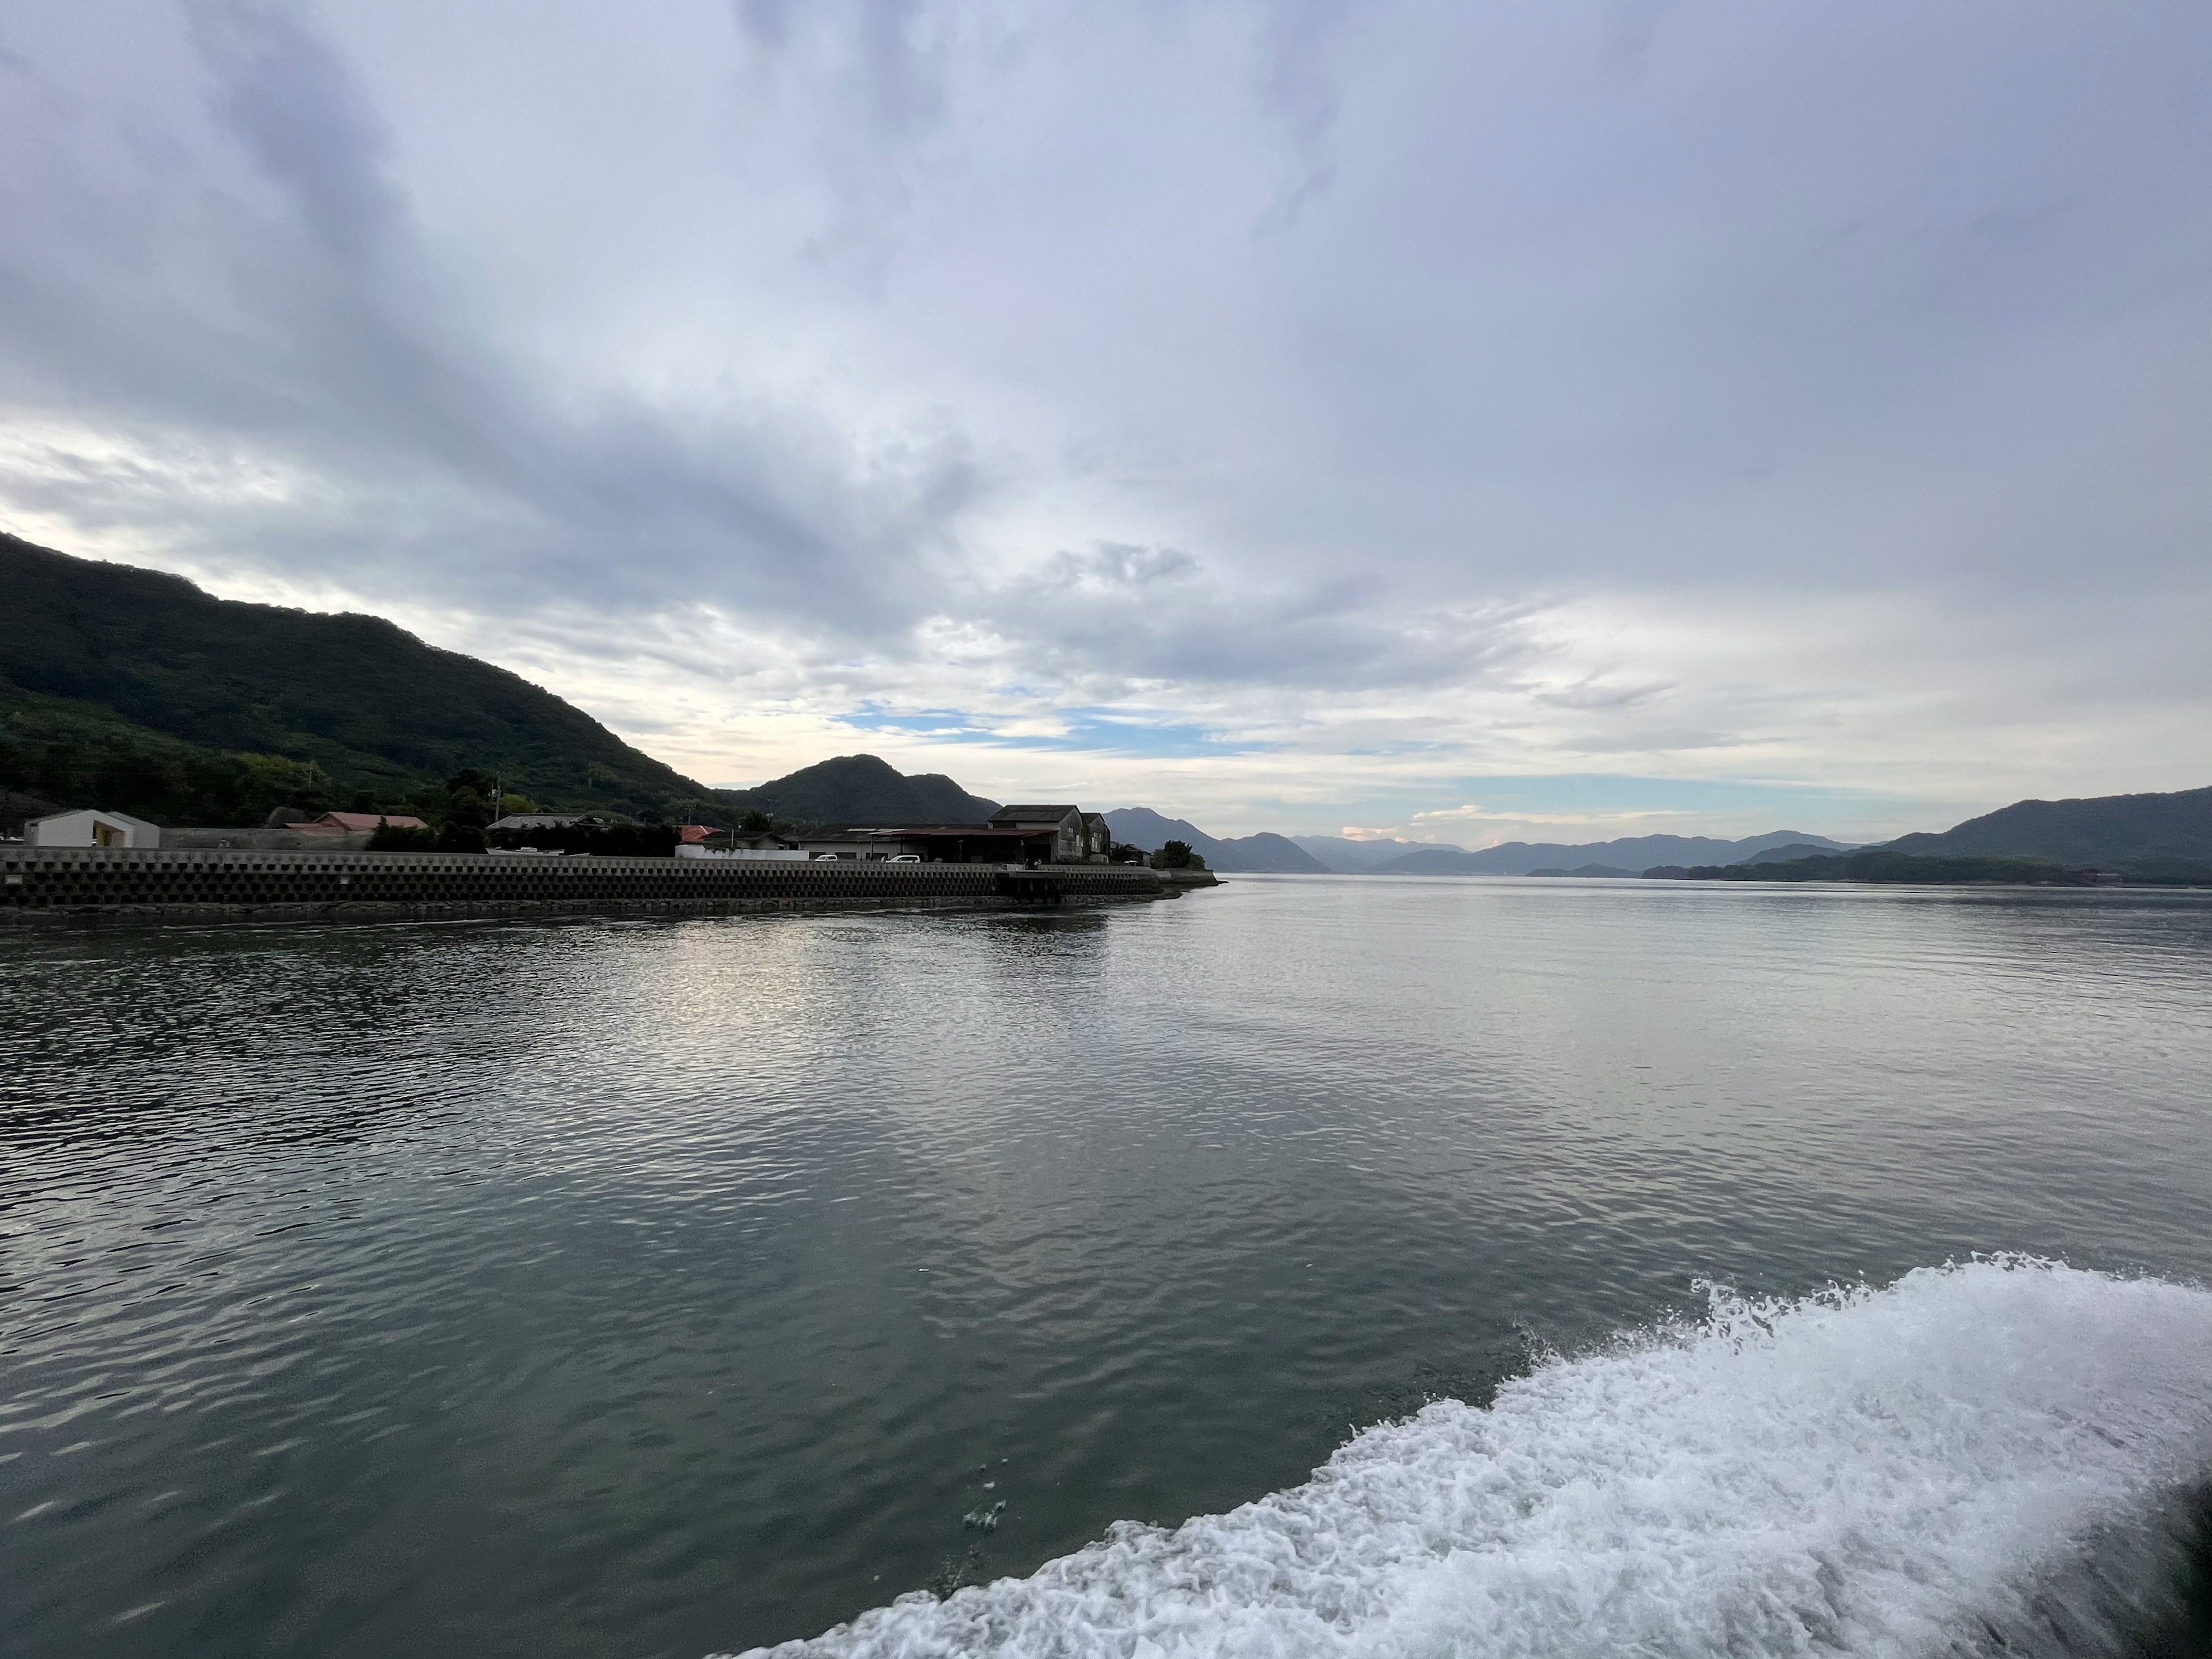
{"points": [[758, 855], [87, 828]]}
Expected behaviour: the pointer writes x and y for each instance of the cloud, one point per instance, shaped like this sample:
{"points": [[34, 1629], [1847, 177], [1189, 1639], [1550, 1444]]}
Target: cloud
{"points": [[1292, 411], [311, 338]]}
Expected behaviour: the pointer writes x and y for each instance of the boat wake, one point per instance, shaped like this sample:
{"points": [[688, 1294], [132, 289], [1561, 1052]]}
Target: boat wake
{"points": [[1994, 1457]]}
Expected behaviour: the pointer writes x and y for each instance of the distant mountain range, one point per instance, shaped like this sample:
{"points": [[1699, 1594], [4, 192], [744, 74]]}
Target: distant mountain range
{"points": [[1346, 857], [862, 789], [2140, 833], [1633, 855], [1261, 854], [2164, 838]]}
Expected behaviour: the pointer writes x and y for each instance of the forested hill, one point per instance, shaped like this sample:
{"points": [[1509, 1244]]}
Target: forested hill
{"points": [[135, 690], [2141, 832], [862, 789]]}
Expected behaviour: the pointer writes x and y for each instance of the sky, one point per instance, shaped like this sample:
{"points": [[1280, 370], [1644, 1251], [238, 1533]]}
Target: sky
{"points": [[1457, 421]]}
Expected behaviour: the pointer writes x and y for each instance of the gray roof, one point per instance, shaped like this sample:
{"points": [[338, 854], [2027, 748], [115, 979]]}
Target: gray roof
{"points": [[1033, 814], [540, 820]]}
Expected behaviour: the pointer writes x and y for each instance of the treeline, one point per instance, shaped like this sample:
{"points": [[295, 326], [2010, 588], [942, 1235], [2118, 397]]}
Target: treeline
{"points": [[227, 790], [205, 787], [623, 841], [460, 816]]}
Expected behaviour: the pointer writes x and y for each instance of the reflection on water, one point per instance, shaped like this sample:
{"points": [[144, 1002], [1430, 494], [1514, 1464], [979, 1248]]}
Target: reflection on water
{"points": [[642, 1288]]}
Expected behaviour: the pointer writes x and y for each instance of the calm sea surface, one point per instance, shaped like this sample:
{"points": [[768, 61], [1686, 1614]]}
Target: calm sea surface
{"points": [[624, 1289]]}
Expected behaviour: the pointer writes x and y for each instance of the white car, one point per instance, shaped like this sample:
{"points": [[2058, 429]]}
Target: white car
{"points": [[903, 858]]}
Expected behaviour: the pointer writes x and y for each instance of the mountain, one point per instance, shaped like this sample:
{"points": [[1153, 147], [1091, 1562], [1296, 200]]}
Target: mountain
{"points": [[1140, 826], [1261, 854], [1793, 850], [135, 690], [1520, 857], [1880, 865], [862, 789], [1351, 857], [1264, 853], [2133, 834], [1607, 871]]}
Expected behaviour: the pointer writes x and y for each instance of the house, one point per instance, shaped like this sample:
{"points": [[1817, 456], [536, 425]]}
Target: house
{"points": [[694, 834], [935, 843], [1063, 824], [87, 828], [760, 841], [525, 822], [1016, 835], [771, 854], [354, 824]]}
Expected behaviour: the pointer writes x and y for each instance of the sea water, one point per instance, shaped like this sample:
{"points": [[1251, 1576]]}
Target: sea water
{"points": [[1375, 1266], [1906, 1471]]}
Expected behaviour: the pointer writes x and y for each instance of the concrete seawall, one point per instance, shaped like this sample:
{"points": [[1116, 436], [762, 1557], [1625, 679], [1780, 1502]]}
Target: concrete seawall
{"points": [[79, 884]]}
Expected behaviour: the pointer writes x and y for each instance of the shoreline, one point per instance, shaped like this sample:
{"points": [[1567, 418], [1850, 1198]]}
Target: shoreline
{"points": [[46, 886]]}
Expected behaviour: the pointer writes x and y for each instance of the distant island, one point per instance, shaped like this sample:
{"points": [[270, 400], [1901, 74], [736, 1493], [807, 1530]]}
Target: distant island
{"points": [[2149, 839]]}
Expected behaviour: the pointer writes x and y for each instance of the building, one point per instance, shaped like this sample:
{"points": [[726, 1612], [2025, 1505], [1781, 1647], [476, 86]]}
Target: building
{"points": [[354, 824], [1063, 823], [935, 843], [1015, 835], [760, 841], [771, 854], [87, 828], [525, 822]]}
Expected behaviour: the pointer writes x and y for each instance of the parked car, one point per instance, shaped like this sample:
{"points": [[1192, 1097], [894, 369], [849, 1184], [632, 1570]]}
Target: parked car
{"points": [[903, 858]]}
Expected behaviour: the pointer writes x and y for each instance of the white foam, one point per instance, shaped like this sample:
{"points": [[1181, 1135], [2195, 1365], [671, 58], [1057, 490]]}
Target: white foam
{"points": [[1869, 1471]]}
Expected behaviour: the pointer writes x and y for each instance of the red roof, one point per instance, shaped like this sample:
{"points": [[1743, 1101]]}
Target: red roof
{"points": [[356, 824], [692, 834]]}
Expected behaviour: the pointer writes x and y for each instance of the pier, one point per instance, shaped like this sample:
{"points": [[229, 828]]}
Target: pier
{"points": [[80, 884]]}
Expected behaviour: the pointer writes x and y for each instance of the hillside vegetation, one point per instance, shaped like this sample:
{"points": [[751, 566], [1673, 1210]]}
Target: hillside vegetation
{"points": [[862, 789], [1885, 867], [2141, 833], [2146, 839], [135, 690]]}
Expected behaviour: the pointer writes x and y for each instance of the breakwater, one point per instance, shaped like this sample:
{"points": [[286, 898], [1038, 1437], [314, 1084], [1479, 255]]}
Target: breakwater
{"points": [[61, 883]]}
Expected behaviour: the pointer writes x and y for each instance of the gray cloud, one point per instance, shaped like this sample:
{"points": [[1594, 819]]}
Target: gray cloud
{"points": [[1421, 373], [1111, 621], [311, 333]]}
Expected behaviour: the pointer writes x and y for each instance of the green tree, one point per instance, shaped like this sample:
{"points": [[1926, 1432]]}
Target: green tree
{"points": [[1177, 855]]}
